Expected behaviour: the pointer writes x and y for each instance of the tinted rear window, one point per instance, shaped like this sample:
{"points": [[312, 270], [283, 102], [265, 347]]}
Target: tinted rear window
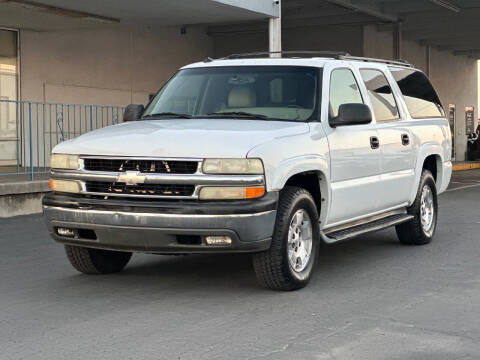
{"points": [[420, 96]]}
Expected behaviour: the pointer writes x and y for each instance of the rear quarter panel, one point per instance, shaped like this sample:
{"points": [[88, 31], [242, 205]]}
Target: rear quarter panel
{"points": [[432, 137]]}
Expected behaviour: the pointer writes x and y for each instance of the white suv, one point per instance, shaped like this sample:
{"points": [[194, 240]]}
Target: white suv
{"points": [[262, 155]]}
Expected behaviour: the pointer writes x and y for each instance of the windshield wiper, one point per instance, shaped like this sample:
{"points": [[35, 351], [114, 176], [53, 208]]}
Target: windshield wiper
{"points": [[167, 114], [239, 114]]}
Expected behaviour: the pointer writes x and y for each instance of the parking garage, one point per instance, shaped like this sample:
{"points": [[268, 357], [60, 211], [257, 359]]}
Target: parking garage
{"points": [[113, 53]]}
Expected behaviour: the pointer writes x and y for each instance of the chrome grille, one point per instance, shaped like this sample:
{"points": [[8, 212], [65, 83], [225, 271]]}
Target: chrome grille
{"points": [[153, 178], [141, 165], [139, 189]]}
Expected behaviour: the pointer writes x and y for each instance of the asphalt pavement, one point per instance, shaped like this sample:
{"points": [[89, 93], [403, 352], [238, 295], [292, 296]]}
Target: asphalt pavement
{"points": [[371, 298]]}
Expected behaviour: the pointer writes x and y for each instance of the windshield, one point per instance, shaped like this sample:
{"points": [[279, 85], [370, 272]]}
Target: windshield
{"points": [[256, 92]]}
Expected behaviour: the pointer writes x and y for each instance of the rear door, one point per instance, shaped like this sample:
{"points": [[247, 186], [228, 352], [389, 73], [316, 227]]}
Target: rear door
{"points": [[397, 162], [354, 162]]}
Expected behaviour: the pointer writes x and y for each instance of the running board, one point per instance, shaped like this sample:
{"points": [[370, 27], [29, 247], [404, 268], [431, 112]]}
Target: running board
{"points": [[349, 232]]}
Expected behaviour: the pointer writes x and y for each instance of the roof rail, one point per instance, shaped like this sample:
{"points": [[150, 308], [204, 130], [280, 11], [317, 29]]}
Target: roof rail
{"points": [[332, 54], [384, 61], [340, 55]]}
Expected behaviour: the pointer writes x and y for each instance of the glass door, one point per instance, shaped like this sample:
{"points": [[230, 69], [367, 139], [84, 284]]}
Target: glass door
{"points": [[8, 92]]}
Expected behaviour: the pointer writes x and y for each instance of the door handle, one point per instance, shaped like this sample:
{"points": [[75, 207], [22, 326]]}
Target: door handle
{"points": [[405, 139], [374, 142]]}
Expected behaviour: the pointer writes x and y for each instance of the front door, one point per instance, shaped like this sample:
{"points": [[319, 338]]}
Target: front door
{"points": [[354, 156]]}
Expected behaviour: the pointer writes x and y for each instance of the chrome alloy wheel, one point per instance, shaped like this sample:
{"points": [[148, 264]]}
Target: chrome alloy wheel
{"points": [[427, 209], [300, 240]]}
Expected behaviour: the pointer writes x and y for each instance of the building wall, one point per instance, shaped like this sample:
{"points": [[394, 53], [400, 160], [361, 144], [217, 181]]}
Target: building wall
{"points": [[338, 38], [377, 44], [99, 66], [105, 66], [124, 65], [455, 78]]}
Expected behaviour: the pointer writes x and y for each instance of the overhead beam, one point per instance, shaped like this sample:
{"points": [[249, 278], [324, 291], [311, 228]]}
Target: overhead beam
{"points": [[473, 54], [445, 19], [372, 10], [309, 13], [406, 6], [446, 5], [438, 31], [60, 11], [459, 46], [253, 27], [453, 40]]}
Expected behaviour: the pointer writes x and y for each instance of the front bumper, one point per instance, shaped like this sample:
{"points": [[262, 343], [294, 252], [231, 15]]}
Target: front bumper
{"points": [[162, 226]]}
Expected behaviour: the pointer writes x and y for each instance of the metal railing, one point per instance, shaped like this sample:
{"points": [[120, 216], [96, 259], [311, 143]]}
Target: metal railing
{"points": [[29, 130]]}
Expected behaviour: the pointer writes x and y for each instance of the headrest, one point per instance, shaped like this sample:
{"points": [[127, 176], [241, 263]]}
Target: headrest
{"points": [[242, 96]]}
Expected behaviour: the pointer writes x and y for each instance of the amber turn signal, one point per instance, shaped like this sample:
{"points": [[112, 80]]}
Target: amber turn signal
{"points": [[254, 192]]}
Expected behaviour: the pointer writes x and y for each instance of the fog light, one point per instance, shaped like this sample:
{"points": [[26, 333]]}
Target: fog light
{"points": [[218, 240], [66, 232]]}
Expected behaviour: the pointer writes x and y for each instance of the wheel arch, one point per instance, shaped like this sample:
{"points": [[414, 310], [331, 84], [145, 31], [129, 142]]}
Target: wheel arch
{"points": [[430, 158], [309, 173]]}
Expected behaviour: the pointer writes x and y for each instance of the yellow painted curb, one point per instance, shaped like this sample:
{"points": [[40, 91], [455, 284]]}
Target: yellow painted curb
{"points": [[466, 166]]}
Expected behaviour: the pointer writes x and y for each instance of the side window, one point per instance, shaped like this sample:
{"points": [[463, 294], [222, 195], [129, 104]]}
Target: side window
{"points": [[380, 92], [343, 90], [420, 96]]}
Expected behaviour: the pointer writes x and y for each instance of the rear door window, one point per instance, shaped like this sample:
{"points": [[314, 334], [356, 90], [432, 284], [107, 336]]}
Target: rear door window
{"points": [[381, 97], [420, 97]]}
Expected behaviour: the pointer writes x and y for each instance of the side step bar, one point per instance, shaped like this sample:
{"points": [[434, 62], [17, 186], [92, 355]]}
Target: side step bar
{"points": [[349, 232]]}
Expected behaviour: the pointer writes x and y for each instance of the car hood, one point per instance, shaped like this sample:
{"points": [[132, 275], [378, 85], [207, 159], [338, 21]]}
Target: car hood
{"points": [[188, 138]]}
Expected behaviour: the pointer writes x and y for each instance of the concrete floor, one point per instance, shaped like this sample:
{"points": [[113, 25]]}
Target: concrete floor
{"points": [[371, 298]]}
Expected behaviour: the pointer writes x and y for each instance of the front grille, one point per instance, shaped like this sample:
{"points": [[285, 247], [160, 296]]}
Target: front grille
{"points": [[144, 166], [139, 189]]}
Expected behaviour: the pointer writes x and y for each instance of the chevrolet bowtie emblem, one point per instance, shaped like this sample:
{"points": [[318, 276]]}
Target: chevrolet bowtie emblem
{"points": [[131, 178]]}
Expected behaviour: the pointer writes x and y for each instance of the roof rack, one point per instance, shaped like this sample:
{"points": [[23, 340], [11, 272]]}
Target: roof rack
{"points": [[339, 55], [333, 54], [367, 59]]}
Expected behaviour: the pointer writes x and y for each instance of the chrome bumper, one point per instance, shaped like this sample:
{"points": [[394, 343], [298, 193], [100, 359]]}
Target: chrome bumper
{"points": [[161, 232]]}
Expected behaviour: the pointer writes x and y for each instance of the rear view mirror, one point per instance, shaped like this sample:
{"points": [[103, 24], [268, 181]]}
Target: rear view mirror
{"points": [[133, 112], [352, 114]]}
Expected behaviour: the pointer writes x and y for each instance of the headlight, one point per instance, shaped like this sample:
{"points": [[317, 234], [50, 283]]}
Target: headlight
{"points": [[68, 186], [233, 166], [63, 161], [231, 192]]}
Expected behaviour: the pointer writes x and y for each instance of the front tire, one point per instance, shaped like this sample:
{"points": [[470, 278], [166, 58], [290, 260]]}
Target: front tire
{"points": [[289, 263], [420, 230], [96, 261]]}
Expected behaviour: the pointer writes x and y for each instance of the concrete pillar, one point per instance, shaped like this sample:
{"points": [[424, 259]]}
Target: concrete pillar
{"points": [[397, 40], [275, 32], [427, 60]]}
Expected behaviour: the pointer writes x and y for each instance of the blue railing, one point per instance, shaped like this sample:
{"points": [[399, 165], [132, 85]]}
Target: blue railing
{"points": [[29, 130]]}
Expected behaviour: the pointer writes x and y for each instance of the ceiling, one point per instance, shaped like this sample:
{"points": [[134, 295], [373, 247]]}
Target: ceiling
{"points": [[44, 15], [448, 25], [452, 25]]}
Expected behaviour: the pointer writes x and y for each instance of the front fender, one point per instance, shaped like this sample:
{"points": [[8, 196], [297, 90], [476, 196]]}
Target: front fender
{"points": [[307, 163]]}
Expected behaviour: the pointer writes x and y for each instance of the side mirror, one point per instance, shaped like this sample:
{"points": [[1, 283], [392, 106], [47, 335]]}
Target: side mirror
{"points": [[352, 114], [133, 112]]}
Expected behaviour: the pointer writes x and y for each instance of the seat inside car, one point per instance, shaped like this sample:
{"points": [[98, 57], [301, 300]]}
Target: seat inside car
{"points": [[242, 97]]}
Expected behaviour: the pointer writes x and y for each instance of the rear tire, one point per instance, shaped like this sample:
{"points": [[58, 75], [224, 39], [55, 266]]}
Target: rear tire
{"points": [[289, 263], [96, 261], [421, 229]]}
